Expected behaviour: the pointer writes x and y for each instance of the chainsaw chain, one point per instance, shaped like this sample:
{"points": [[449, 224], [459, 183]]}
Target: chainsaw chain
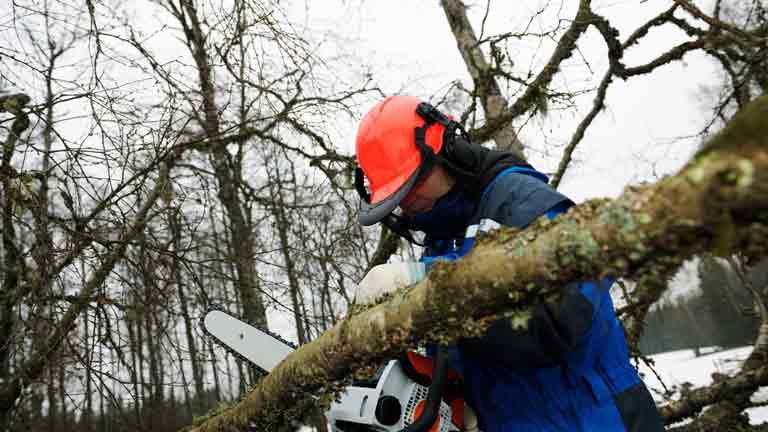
{"points": [[227, 348]]}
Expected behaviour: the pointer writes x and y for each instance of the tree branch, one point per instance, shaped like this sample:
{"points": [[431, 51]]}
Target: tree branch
{"points": [[537, 89], [597, 105], [714, 22], [693, 401]]}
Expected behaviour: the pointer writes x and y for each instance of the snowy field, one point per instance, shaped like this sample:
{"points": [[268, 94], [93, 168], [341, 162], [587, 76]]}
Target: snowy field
{"points": [[678, 367]]}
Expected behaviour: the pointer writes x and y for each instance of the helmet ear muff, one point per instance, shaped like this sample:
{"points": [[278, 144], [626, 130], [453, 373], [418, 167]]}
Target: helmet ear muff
{"points": [[458, 151], [459, 159], [455, 154], [453, 131]]}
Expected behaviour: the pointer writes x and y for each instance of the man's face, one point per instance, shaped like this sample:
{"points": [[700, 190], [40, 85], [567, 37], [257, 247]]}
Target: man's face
{"points": [[424, 195]]}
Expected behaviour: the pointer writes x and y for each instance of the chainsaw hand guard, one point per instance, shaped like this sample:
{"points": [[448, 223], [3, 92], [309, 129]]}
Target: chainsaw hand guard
{"points": [[435, 394]]}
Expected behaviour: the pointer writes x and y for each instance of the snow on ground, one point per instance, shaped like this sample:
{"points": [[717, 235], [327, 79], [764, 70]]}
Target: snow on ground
{"points": [[678, 367]]}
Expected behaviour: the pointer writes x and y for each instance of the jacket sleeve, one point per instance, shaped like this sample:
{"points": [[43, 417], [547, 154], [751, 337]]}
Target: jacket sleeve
{"points": [[555, 328]]}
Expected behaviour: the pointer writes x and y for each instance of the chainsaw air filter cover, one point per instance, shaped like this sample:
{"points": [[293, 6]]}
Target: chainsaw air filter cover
{"points": [[390, 407]]}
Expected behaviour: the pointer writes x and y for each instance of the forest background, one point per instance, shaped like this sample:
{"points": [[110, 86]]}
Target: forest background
{"points": [[161, 157]]}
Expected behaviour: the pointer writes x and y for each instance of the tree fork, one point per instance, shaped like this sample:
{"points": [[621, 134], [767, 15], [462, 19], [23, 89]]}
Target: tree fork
{"points": [[717, 202]]}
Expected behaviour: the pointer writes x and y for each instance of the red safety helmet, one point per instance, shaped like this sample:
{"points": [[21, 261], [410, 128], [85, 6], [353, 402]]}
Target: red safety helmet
{"points": [[396, 146]]}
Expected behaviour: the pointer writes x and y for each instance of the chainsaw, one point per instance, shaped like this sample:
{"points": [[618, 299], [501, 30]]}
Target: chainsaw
{"points": [[412, 393]]}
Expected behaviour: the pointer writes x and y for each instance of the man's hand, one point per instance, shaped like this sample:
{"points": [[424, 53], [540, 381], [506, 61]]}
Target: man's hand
{"points": [[386, 278]]}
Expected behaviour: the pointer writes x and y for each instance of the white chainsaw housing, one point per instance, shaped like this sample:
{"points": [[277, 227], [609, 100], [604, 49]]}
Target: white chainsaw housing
{"points": [[355, 411], [357, 405]]}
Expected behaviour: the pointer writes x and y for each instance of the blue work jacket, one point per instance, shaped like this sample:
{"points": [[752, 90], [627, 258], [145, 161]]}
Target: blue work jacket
{"points": [[569, 370]]}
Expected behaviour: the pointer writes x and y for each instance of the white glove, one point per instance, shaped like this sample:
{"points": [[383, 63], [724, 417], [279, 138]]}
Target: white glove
{"points": [[386, 278], [470, 419]]}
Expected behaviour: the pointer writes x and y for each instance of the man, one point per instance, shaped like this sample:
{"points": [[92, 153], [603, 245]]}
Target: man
{"points": [[569, 370]]}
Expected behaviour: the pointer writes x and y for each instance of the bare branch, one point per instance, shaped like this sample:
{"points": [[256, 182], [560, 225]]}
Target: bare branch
{"points": [[538, 86]]}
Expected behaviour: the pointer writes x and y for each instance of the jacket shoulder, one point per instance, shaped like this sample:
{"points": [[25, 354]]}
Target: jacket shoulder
{"points": [[517, 199]]}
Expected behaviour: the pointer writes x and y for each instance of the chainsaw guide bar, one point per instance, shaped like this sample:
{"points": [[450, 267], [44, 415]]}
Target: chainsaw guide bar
{"points": [[257, 346]]}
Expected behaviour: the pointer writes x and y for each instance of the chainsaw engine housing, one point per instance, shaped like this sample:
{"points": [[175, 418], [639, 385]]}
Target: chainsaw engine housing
{"points": [[394, 403]]}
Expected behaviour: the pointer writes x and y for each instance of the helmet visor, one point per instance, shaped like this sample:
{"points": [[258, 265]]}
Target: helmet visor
{"points": [[373, 213]]}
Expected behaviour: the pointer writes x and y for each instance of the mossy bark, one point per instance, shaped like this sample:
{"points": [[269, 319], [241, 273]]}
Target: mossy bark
{"points": [[719, 201]]}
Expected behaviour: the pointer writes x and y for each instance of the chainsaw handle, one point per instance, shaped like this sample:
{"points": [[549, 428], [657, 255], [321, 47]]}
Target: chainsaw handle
{"points": [[431, 411]]}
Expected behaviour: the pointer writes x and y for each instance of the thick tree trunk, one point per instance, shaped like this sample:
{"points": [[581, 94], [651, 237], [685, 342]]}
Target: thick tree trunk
{"points": [[134, 346], [718, 201], [227, 174], [184, 382], [197, 376], [486, 88], [283, 230], [12, 263], [53, 404], [63, 399], [87, 412], [216, 379]]}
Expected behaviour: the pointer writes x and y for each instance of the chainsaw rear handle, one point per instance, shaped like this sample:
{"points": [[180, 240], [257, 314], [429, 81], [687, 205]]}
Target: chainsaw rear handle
{"points": [[431, 411]]}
